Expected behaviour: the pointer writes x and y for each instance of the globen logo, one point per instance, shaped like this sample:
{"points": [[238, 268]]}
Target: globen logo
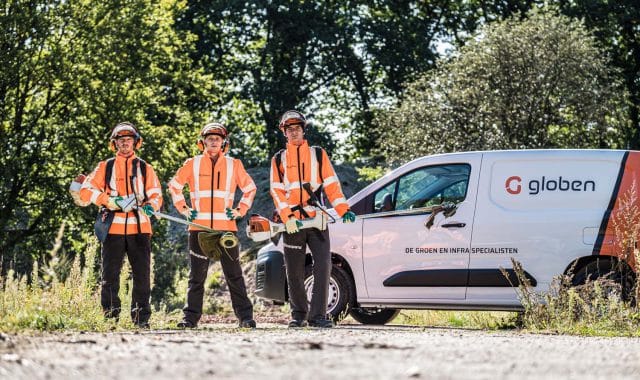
{"points": [[513, 185]]}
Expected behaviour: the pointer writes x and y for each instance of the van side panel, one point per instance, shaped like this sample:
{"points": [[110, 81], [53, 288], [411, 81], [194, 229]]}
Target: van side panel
{"points": [[538, 207], [624, 193]]}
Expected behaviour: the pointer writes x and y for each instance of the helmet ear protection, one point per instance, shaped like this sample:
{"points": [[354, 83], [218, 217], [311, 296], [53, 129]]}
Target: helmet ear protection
{"points": [[292, 117], [125, 129], [214, 129]]}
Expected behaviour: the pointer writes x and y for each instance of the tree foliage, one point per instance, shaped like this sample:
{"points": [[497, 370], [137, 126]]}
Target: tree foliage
{"points": [[616, 25], [71, 71], [537, 83], [334, 60]]}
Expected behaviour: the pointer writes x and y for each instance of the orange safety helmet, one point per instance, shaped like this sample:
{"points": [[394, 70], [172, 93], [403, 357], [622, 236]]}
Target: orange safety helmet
{"points": [[292, 117], [213, 129], [124, 129]]}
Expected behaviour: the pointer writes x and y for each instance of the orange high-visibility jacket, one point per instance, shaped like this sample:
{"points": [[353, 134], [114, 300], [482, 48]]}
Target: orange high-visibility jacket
{"points": [[98, 191], [212, 189], [299, 165]]}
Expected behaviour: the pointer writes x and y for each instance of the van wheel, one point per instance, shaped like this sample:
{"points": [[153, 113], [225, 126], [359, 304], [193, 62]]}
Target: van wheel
{"points": [[373, 316], [618, 275], [341, 292]]}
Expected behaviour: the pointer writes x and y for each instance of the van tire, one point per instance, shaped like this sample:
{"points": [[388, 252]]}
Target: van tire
{"points": [[607, 269], [341, 291], [373, 316]]}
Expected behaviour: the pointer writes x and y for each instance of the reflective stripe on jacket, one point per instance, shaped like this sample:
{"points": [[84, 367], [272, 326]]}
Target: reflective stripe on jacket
{"points": [[212, 189], [96, 190], [299, 165]]}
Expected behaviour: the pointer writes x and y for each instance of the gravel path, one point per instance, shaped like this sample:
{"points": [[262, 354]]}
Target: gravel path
{"points": [[348, 351]]}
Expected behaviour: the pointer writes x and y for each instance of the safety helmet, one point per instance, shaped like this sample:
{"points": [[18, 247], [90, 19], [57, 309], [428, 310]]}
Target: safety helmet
{"points": [[124, 129], [292, 117], [213, 129]]}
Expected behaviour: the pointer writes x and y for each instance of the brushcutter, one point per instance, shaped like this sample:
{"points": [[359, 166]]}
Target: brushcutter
{"points": [[260, 228]]}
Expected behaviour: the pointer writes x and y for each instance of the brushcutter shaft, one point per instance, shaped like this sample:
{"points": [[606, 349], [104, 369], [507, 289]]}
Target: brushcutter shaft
{"points": [[159, 214]]}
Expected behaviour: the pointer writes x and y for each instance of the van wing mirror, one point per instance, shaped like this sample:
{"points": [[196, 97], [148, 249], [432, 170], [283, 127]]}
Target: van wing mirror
{"points": [[448, 209]]}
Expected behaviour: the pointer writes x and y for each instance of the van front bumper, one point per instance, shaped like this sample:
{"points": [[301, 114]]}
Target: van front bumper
{"points": [[270, 276]]}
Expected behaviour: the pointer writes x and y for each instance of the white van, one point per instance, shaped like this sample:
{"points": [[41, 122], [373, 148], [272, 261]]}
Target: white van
{"points": [[551, 210]]}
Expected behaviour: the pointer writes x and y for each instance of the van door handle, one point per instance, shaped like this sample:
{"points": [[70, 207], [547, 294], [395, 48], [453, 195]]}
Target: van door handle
{"points": [[454, 225]]}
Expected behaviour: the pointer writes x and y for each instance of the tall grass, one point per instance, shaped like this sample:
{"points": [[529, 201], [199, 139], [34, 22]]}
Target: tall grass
{"points": [[594, 308], [49, 301]]}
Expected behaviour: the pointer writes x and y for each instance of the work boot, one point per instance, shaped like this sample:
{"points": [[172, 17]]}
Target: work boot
{"points": [[248, 324], [184, 324], [295, 323], [322, 323], [143, 325], [112, 313]]}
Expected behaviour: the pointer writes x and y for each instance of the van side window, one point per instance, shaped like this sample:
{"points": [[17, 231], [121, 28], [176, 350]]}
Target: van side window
{"points": [[432, 185]]}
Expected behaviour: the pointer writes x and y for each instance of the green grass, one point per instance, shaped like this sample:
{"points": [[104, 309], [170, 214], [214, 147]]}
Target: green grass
{"points": [[456, 319]]}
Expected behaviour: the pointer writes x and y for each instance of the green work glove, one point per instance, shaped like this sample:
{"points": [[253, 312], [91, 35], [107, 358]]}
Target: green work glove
{"points": [[233, 214], [189, 213], [148, 209], [348, 217], [113, 203]]}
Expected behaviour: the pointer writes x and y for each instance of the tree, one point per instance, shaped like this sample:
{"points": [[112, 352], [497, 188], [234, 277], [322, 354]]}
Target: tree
{"points": [[335, 60], [537, 83], [71, 71], [616, 24]]}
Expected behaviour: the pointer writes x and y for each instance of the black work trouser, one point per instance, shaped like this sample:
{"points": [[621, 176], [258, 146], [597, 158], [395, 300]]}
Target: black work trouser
{"points": [[294, 257], [137, 247], [199, 264]]}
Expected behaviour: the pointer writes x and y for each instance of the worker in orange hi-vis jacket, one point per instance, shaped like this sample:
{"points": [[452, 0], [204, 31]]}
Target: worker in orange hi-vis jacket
{"points": [[128, 191], [212, 178], [291, 170]]}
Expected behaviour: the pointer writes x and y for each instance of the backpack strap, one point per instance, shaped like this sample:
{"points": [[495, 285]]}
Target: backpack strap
{"points": [[318, 151], [109, 172], [318, 192], [278, 157], [139, 162]]}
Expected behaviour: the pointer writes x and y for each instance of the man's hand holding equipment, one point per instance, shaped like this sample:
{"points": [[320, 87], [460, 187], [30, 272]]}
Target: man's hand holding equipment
{"points": [[189, 213], [127, 204], [112, 203], [233, 213], [348, 217], [148, 209], [292, 225]]}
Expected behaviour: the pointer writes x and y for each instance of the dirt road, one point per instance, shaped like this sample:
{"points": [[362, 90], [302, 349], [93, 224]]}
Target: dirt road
{"points": [[348, 351]]}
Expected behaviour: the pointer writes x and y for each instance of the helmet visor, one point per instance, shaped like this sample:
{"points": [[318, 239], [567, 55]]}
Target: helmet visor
{"points": [[123, 131], [214, 129], [292, 118]]}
